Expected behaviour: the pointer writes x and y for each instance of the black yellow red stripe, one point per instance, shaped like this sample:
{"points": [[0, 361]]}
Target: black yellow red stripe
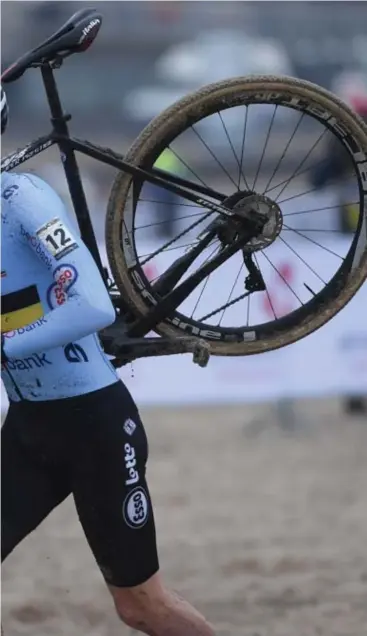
{"points": [[20, 308]]}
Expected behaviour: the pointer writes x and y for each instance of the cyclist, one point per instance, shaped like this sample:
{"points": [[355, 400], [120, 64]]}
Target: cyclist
{"points": [[72, 426]]}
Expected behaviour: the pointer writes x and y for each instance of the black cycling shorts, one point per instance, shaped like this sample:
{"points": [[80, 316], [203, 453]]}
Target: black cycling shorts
{"points": [[94, 447]]}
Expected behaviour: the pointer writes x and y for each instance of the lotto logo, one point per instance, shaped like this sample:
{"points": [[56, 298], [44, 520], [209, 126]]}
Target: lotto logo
{"points": [[65, 276], [130, 463]]}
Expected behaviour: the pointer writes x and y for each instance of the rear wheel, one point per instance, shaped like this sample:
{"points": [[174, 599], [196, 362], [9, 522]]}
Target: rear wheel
{"points": [[268, 136]]}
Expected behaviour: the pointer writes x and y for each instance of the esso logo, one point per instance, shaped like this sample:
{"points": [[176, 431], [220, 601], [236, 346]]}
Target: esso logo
{"points": [[61, 284], [66, 276], [136, 508]]}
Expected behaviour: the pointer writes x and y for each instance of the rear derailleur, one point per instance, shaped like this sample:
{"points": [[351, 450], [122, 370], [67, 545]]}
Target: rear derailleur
{"points": [[122, 341]]}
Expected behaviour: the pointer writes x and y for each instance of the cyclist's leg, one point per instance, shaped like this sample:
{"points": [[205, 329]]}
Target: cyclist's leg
{"points": [[30, 489], [115, 509]]}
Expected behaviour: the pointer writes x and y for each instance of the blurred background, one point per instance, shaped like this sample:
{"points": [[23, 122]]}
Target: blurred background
{"points": [[259, 481], [148, 54]]}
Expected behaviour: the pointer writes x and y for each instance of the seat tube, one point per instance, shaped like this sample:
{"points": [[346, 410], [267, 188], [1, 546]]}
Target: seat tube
{"points": [[71, 169]]}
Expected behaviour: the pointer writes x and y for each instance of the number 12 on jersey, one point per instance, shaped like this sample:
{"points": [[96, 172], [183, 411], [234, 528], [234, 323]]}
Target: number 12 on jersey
{"points": [[57, 238]]}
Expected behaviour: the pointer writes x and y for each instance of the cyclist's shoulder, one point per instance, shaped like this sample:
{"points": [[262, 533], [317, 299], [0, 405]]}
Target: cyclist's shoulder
{"points": [[24, 184], [30, 200]]}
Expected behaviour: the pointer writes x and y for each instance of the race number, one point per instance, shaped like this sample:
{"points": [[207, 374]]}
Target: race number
{"points": [[56, 238]]}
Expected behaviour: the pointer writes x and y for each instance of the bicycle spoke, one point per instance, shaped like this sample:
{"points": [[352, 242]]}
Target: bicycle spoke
{"points": [[169, 243], [283, 278], [297, 174], [301, 164], [297, 196], [300, 229], [284, 152], [188, 167], [229, 141], [168, 249], [241, 172], [303, 260], [214, 156], [185, 205], [179, 218], [265, 146], [172, 276], [207, 280], [331, 181], [231, 293], [327, 207], [314, 242], [233, 302], [266, 291]]}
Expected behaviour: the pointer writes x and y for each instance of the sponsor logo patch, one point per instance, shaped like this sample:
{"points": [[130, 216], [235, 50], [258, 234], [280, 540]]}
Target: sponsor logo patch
{"points": [[75, 353], [65, 277], [36, 245], [129, 426], [36, 361], [130, 463], [8, 192], [22, 330], [135, 508], [86, 31]]}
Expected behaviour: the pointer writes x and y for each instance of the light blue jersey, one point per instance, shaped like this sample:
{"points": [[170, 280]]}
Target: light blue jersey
{"points": [[53, 299]]}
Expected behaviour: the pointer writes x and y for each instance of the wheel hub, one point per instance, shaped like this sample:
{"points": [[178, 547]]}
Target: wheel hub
{"points": [[244, 202]]}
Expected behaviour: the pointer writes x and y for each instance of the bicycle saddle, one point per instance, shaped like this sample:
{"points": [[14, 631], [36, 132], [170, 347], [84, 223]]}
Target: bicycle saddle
{"points": [[75, 36]]}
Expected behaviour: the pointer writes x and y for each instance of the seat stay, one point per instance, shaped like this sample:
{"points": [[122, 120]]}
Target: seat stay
{"points": [[75, 36]]}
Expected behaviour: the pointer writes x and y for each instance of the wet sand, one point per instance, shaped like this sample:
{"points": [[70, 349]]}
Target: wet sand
{"points": [[262, 529]]}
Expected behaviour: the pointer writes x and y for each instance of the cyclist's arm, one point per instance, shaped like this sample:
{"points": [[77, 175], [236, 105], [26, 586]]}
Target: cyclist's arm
{"points": [[86, 306]]}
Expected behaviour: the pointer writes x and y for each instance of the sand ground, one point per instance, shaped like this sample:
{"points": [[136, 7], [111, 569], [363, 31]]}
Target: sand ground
{"points": [[264, 530]]}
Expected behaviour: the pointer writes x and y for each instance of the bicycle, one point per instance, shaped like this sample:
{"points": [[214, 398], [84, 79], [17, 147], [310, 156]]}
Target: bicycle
{"points": [[245, 222]]}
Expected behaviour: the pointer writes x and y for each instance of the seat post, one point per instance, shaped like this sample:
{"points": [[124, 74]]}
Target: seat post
{"points": [[60, 127], [58, 116]]}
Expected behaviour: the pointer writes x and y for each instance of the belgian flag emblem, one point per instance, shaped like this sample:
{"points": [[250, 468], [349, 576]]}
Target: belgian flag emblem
{"points": [[20, 308]]}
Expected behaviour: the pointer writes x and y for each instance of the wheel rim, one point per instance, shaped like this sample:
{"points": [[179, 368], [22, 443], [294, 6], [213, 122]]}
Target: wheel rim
{"points": [[266, 184]]}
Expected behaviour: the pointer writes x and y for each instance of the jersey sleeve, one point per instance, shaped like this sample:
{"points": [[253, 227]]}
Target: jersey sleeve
{"points": [[80, 300]]}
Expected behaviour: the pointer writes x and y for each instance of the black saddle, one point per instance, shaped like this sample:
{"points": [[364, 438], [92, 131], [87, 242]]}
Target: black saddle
{"points": [[75, 36]]}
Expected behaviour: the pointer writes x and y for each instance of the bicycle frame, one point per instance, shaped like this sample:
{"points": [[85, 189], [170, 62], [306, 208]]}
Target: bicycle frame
{"points": [[198, 194], [68, 145]]}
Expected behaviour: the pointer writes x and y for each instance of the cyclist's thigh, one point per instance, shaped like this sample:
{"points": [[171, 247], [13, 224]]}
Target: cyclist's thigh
{"points": [[30, 488], [110, 490]]}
